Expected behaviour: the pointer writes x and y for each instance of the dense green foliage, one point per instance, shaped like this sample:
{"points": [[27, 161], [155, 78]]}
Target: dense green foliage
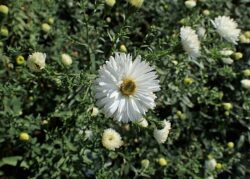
{"points": [[54, 106]]}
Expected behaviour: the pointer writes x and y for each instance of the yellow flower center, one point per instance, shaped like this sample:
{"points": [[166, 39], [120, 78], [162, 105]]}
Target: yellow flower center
{"points": [[128, 87]]}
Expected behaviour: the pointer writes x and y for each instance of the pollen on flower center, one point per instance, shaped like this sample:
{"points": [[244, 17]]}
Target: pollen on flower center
{"points": [[128, 87]]}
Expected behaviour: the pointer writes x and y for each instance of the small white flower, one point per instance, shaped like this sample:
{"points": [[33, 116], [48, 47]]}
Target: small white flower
{"points": [[210, 164], [36, 61], [201, 31], [88, 134], [66, 59], [161, 135], [124, 88], [190, 4], [95, 111], [245, 83], [143, 122], [227, 28], [111, 139], [190, 42], [226, 52], [227, 61]]}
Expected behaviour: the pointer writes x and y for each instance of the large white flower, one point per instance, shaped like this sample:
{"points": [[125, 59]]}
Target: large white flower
{"points": [[161, 135], [36, 61], [190, 42], [111, 139], [124, 88], [227, 28]]}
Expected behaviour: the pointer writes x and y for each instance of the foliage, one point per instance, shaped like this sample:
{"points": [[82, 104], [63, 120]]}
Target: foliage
{"points": [[54, 106]]}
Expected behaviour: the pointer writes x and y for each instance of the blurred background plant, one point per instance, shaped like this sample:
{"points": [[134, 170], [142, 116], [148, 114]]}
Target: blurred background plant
{"points": [[50, 127]]}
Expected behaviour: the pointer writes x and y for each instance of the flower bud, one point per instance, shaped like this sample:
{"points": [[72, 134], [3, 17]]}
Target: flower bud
{"points": [[188, 81], [162, 162], [51, 21], [4, 32], [46, 27], [143, 122], [230, 145], [206, 12], [95, 111], [20, 60], [110, 3], [244, 39], [136, 3], [145, 163], [4, 9], [218, 166], [201, 31], [238, 55], [123, 48], [227, 106], [211, 164], [247, 34], [245, 83], [66, 59], [190, 4], [24, 136], [227, 61], [246, 72]]}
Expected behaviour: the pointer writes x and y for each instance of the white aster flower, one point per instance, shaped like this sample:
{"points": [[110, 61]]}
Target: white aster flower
{"points": [[125, 88], [190, 42], [245, 83], [111, 139], [66, 59], [161, 135], [36, 61], [227, 28]]}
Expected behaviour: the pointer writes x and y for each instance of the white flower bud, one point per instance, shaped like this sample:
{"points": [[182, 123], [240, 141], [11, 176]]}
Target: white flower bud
{"points": [[143, 122], [227, 61], [190, 4], [245, 83], [66, 59], [161, 135], [210, 164]]}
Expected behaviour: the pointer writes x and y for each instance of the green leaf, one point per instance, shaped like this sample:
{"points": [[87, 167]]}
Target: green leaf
{"points": [[10, 160]]}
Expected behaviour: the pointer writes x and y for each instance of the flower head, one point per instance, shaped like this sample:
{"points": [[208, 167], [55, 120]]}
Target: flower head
{"points": [[161, 135], [190, 42], [111, 139], [125, 88], [36, 61], [227, 28]]}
